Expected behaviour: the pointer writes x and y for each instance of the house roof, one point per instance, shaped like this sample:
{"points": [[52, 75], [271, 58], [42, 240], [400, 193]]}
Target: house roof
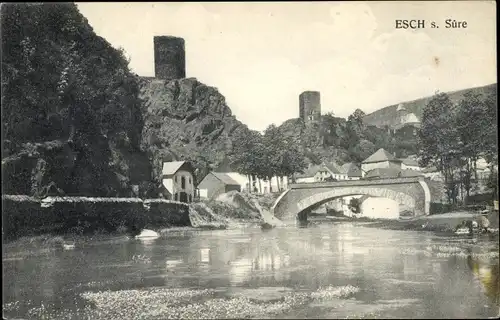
{"points": [[309, 172], [385, 173], [379, 156], [225, 178], [172, 167], [410, 162], [334, 168], [352, 169]]}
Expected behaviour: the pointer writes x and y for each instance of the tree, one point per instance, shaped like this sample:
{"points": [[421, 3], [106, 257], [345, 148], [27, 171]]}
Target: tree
{"points": [[470, 123], [438, 141]]}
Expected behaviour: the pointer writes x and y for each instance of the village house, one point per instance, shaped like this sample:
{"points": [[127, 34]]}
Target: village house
{"points": [[380, 159], [330, 171], [352, 170], [178, 181], [309, 175], [216, 183], [410, 164]]}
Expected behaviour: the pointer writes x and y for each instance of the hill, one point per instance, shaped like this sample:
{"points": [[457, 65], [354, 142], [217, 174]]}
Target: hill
{"points": [[388, 115]]}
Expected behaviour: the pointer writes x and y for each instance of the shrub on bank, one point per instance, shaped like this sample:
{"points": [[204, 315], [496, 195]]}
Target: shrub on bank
{"points": [[166, 213], [23, 216], [27, 216]]}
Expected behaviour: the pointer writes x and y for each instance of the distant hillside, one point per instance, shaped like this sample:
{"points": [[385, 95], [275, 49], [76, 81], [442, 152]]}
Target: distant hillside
{"points": [[388, 115]]}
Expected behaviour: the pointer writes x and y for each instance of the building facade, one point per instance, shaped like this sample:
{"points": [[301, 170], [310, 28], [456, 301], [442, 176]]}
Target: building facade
{"points": [[178, 181], [216, 183]]}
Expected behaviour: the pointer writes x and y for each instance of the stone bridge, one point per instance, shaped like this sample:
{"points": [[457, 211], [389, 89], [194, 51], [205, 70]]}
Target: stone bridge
{"points": [[412, 192]]}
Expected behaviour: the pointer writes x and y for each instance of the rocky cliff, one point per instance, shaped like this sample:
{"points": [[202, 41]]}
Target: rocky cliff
{"points": [[186, 120]]}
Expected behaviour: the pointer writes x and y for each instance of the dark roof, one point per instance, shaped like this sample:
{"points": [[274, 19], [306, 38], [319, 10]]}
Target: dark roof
{"points": [[379, 156], [309, 172], [334, 168], [386, 173], [225, 178], [352, 169]]}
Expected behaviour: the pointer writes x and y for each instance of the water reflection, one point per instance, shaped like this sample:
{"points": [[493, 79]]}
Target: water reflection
{"points": [[424, 271]]}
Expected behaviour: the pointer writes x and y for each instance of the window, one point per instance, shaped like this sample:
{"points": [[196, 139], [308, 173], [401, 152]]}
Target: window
{"points": [[183, 182], [190, 198], [176, 197], [175, 179], [190, 180]]}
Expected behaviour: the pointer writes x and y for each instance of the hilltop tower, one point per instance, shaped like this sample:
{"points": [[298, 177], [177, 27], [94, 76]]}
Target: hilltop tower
{"points": [[310, 107], [170, 57]]}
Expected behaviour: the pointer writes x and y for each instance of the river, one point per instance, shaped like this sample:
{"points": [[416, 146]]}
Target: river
{"points": [[330, 270]]}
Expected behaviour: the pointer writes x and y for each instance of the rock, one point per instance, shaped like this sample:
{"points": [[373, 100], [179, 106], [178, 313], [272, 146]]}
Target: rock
{"points": [[147, 234], [266, 226], [186, 119]]}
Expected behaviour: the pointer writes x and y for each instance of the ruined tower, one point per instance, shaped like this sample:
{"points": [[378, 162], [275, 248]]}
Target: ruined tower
{"points": [[170, 57], [310, 107]]}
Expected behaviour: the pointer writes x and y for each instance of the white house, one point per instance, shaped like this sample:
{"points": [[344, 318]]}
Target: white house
{"points": [[379, 208], [309, 175], [178, 181], [333, 171]]}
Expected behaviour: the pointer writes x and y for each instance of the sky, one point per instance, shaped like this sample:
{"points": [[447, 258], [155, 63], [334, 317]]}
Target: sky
{"points": [[262, 55]]}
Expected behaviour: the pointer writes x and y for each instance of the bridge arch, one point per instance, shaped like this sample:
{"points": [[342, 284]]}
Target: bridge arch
{"points": [[327, 196], [410, 192]]}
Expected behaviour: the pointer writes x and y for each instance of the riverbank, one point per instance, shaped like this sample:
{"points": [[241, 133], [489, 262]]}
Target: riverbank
{"points": [[28, 217], [442, 223]]}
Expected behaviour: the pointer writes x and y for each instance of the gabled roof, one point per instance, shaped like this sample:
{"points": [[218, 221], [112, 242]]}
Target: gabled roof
{"points": [[309, 172], [172, 167], [352, 169], [334, 168], [379, 156], [225, 178]]}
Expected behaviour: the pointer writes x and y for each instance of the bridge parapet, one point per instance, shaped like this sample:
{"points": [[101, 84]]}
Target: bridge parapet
{"points": [[350, 183]]}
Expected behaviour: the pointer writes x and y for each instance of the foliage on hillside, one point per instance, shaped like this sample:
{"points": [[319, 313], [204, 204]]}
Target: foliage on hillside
{"points": [[454, 135], [71, 115], [389, 115], [344, 140]]}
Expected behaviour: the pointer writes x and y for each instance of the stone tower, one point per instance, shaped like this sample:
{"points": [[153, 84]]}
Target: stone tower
{"points": [[310, 107], [170, 57]]}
